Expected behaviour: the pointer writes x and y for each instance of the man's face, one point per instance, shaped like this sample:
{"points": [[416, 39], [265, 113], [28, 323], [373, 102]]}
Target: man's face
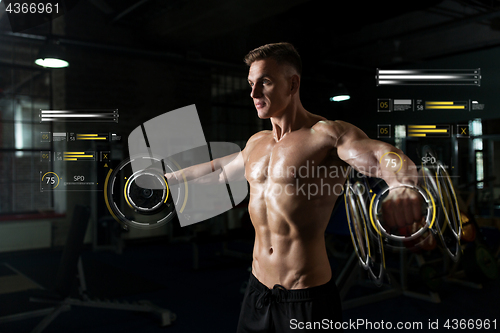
{"points": [[271, 87]]}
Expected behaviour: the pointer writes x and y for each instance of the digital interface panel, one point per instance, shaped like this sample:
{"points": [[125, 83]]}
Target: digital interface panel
{"points": [[86, 178], [421, 94]]}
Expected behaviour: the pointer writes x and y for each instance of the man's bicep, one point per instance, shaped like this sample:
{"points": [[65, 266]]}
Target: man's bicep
{"points": [[233, 166], [364, 154], [356, 148]]}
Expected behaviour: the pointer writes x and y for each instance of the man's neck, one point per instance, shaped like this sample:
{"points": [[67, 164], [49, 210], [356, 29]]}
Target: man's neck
{"points": [[293, 118]]}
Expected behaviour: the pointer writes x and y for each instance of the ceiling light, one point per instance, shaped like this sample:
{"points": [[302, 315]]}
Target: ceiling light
{"points": [[340, 94], [52, 56], [340, 98]]}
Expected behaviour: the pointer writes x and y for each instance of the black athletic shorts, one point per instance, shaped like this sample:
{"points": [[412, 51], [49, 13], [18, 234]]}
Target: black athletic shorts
{"points": [[296, 310]]}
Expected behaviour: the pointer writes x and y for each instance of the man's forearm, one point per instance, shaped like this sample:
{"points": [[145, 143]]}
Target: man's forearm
{"points": [[190, 173], [397, 168]]}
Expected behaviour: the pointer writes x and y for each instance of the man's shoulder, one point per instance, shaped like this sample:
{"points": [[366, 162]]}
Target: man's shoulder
{"points": [[256, 138], [259, 135], [339, 130], [332, 127]]}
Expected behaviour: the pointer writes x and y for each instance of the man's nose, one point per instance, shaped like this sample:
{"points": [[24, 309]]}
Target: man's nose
{"points": [[256, 91]]}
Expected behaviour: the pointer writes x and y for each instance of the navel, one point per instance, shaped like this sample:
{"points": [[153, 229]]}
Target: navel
{"points": [[270, 250]]}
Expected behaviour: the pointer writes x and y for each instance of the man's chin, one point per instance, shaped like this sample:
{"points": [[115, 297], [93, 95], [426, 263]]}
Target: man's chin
{"points": [[263, 114]]}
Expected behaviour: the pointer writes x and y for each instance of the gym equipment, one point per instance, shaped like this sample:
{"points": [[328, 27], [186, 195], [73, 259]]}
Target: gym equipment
{"points": [[456, 233], [442, 217], [366, 239], [430, 277], [144, 199], [468, 234], [146, 206], [353, 273], [177, 137], [479, 264], [70, 268]]}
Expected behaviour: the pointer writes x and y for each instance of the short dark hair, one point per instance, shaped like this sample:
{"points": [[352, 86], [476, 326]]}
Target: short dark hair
{"points": [[282, 53]]}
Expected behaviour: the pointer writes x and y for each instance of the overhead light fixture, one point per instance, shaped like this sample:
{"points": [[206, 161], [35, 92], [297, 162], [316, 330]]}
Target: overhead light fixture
{"points": [[340, 94], [51, 55], [340, 98]]}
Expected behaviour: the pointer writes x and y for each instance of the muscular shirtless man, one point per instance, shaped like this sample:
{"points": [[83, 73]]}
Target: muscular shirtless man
{"points": [[294, 172]]}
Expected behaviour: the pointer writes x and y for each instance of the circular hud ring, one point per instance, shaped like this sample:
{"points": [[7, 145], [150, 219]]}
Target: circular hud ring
{"points": [[449, 201], [430, 215], [146, 206], [449, 222], [146, 199], [356, 218], [450, 226], [367, 243]]}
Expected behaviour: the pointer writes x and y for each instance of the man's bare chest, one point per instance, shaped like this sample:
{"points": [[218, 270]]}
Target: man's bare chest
{"points": [[301, 157]]}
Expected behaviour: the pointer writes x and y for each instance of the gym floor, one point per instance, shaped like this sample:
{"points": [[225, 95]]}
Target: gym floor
{"points": [[205, 300]]}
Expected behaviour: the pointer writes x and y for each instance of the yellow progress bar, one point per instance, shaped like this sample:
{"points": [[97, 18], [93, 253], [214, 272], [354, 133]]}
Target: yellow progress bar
{"points": [[96, 138], [446, 107], [439, 103], [74, 152], [430, 130], [421, 126], [78, 156], [416, 135], [87, 135], [71, 159]]}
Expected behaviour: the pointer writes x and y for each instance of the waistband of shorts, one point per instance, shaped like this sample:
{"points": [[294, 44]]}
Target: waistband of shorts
{"points": [[293, 294]]}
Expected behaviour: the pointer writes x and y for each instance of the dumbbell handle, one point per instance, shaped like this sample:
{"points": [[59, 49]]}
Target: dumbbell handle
{"points": [[429, 219]]}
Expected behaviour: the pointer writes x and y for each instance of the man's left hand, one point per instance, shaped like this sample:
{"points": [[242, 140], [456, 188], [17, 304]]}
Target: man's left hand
{"points": [[401, 209]]}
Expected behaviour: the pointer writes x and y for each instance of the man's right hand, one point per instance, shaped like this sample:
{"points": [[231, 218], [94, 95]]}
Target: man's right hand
{"points": [[171, 179], [401, 209]]}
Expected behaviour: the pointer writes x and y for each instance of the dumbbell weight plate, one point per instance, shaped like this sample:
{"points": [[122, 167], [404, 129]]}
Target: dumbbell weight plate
{"points": [[140, 206], [367, 242]]}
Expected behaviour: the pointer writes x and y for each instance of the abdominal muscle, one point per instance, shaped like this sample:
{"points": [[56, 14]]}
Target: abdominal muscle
{"points": [[289, 239]]}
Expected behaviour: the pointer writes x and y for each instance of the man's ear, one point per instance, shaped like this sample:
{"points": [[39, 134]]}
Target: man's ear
{"points": [[295, 84]]}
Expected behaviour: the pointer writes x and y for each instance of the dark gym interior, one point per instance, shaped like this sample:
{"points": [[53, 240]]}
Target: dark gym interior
{"points": [[67, 265]]}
